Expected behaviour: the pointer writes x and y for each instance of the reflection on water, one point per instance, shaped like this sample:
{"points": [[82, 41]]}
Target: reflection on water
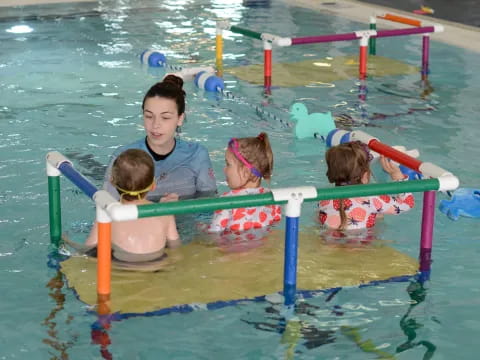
{"points": [[350, 238], [56, 284], [410, 325], [313, 325], [100, 336], [99, 329], [294, 331]]}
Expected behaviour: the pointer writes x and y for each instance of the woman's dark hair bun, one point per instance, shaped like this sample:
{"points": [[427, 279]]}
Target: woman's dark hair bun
{"points": [[173, 80]]}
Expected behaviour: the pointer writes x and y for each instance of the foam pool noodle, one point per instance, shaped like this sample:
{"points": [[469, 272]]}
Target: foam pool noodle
{"points": [[464, 202], [412, 174], [310, 125], [380, 174]]}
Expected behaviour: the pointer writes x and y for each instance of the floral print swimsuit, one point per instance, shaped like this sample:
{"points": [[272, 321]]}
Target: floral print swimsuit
{"points": [[242, 219], [362, 211], [244, 224]]}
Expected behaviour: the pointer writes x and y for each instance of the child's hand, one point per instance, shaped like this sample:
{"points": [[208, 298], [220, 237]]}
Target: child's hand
{"points": [[392, 169], [169, 197]]}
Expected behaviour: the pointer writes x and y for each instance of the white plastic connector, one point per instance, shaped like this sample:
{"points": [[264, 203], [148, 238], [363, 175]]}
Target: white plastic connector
{"points": [[306, 192], [283, 41], [448, 182], [103, 199], [361, 136], [223, 25], [269, 37], [102, 215], [432, 170], [373, 20], [267, 45], [115, 210], [54, 160], [294, 196], [52, 170], [120, 212], [365, 33], [438, 28]]}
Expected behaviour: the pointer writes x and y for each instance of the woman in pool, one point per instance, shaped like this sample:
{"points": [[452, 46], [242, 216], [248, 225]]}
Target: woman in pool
{"points": [[182, 169]]}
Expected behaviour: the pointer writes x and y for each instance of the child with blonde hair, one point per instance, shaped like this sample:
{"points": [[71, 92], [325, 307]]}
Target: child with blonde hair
{"points": [[349, 164], [247, 161]]}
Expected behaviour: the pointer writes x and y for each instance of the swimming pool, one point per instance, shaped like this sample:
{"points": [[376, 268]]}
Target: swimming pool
{"points": [[74, 84]]}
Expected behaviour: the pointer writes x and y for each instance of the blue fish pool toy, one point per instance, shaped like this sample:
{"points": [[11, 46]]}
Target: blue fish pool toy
{"points": [[464, 202]]}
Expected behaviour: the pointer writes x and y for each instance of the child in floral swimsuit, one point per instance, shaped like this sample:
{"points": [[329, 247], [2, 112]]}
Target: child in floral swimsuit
{"points": [[247, 161], [348, 164]]}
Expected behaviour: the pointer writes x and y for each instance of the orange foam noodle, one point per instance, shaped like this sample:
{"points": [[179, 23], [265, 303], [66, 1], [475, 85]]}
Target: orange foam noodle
{"points": [[103, 304], [104, 255], [401, 19]]}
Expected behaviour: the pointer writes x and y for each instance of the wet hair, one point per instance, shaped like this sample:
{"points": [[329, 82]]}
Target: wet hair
{"points": [[133, 170], [171, 87], [258, 152], [346, 165]]}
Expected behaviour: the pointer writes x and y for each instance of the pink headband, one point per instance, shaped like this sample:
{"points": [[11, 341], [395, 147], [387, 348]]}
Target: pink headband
{"points": [[233, 147]]}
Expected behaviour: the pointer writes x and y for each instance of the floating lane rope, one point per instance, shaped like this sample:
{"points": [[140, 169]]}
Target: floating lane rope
{"points": [[155, 58], [258, 109], [205, 79], [210, 82]]}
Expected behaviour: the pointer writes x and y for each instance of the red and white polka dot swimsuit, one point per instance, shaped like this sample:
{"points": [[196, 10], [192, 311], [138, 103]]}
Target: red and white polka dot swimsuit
{"points": [[362, 211], [238, 221]]}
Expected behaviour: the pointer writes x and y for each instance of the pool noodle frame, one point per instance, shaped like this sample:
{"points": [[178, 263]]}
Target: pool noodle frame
{"points": [[109, 209], [367, 40]]}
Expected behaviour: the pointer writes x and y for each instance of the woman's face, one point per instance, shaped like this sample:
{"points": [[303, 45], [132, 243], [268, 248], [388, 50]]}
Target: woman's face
{"points": [[160, 118]]}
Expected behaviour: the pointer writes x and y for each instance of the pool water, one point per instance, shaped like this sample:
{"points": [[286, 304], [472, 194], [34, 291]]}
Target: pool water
{"points": [[72, 82]]}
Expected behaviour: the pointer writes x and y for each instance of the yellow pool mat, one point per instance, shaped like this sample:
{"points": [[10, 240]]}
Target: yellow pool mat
{"points": [[321, 71], [198, 273]]}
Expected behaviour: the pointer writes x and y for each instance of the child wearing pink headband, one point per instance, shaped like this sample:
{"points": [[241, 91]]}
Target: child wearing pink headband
{"points": [[349, 164], [247, 161]]}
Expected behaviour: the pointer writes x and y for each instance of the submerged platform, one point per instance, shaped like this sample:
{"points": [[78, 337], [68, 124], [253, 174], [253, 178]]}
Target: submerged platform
{"points": [[321, 71], [199, 273]]}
